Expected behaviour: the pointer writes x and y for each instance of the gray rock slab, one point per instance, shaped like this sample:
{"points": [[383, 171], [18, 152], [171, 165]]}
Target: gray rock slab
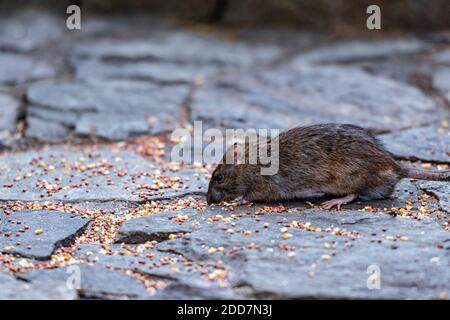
{"points": [[165, 46], [102, 174], [181, 291], [441, 81], [121, 126], [90, 282], [161, 72], [9, 113], [159, 59], [17, 69], [153, 228], [302, 95], [431, 143], [145, 260], [46, 129], [18, 232], [354, 51], [442, 57], [183, 276], [15, 289], [109, 109], [326, 263], [121, 26], [28, 30], [441, 190]]}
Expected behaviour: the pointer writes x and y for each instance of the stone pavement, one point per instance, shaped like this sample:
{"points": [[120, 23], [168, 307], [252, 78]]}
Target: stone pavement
{"points": [[92, 207]]}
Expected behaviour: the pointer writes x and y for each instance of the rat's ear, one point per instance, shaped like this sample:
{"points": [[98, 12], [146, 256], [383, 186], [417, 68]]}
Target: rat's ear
{"points": [[235, 154], [238, 153]]}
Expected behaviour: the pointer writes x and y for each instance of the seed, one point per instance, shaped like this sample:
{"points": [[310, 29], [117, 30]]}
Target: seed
{"points": [[325, 257], [434, 260], [426, 165], [212, 250], [38, 232], [286, 235]]}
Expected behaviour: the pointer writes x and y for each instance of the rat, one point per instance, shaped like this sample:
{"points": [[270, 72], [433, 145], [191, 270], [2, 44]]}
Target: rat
{"points": [[343, 161]]}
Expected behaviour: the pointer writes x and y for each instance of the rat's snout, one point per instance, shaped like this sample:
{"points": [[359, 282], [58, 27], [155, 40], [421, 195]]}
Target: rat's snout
{"points": [[213, 197]]}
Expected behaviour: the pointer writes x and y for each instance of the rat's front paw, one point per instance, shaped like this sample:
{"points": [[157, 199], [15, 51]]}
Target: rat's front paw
{"points": [[240, 201], [327, 205]]}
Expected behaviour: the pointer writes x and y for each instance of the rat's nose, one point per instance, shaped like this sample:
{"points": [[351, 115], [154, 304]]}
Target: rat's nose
{"points": [[211, 198]]}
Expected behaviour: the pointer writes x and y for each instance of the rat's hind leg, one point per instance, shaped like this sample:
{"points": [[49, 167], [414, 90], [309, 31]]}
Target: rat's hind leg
{"points": [[338, 202]]}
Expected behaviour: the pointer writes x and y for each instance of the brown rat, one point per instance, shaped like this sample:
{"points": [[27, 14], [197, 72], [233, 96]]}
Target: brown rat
{"points": [[340, 160]]}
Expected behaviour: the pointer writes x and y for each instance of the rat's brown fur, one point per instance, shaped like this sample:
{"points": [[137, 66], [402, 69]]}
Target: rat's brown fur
{"points": [[336, 159]]}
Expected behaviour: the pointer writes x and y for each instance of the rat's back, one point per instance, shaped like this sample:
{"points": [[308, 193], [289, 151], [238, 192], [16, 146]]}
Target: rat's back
{"points": [[336, 159]]}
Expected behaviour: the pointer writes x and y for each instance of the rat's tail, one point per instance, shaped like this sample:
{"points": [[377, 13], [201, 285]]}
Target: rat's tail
{"points": [[427, 175]]}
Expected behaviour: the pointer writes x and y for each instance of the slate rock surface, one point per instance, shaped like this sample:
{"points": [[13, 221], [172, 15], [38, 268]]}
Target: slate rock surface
{"points": [[17, 69], [90, 282], [354, 51], [37, 234], [15, 289], [431, 143], [152, 228], [9, 113], [328, 263], [28, 30], [98, 174], [113, 110], [85, 123], [303, 95], [441, 190]]}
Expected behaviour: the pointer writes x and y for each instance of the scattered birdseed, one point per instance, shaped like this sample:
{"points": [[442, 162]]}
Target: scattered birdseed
{"points": [[434, 260], [325, 257], [286, 235]]}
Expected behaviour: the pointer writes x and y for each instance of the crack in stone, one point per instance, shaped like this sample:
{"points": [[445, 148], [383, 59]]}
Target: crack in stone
{"points": [[66, 242], [355, 221], [140, 237], [435, 196], [134, 202]]}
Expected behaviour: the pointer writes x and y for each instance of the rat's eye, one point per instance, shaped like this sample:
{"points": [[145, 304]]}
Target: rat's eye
{"points": [[220, 178]]}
